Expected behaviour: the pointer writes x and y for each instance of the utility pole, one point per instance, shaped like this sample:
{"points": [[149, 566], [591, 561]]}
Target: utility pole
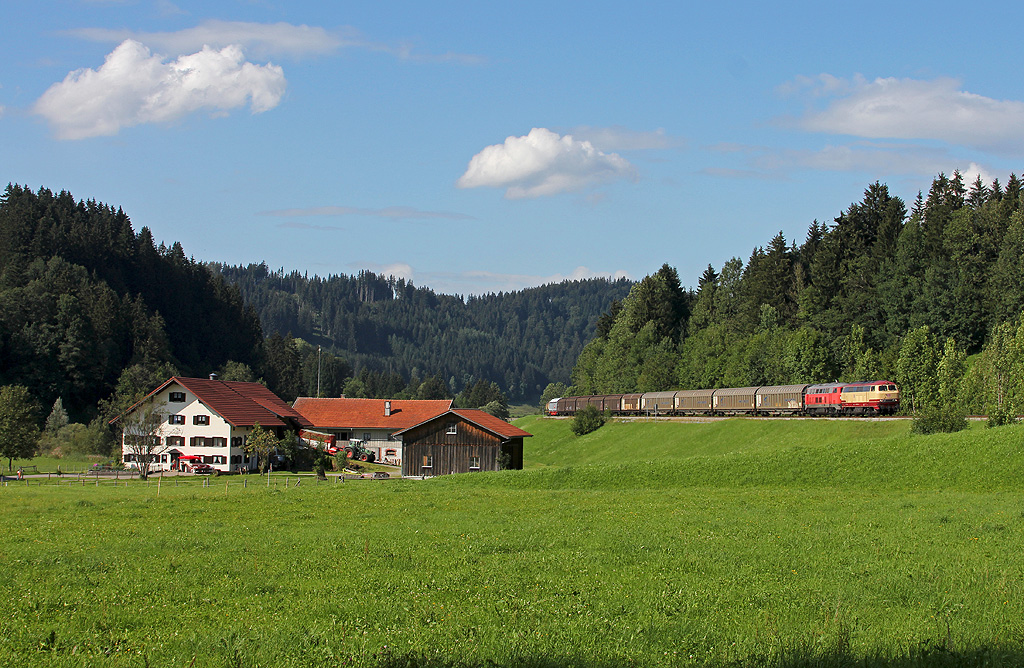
{"points": [[318, 371]]}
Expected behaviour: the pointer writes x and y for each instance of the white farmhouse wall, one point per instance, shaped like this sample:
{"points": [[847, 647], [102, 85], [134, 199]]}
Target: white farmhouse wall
{"points": [[225, 458]]}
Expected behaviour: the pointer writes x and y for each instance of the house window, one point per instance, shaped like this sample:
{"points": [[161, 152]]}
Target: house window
{"points": [[366, 436], [176, 397], [198, 442], [176, 441], [141, 441], [175, 419], [237, 442], [201, 419], [474, 462], [390, 452], [219, 442], [428, 461], [452, 428]]}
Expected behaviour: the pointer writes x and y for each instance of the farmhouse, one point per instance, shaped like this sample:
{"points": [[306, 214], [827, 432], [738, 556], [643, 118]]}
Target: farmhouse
{"points": [[208, 421], [461, 441], [372, 422]]}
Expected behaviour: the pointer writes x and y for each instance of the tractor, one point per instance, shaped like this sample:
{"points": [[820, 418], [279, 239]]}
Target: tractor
{"points": [[356, 450]]}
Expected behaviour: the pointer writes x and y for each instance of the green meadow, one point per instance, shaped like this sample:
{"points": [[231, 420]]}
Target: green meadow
{"points": [[737, 543]]}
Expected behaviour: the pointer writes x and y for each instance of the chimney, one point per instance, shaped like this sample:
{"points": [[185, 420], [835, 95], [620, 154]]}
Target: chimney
{"points": [[213, 376], [387, 409]]}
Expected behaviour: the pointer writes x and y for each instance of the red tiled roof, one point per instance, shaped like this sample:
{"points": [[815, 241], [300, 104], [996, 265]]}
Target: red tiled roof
{"points": [[241, 404], [344, 413], [485, 421], [491, 423]]}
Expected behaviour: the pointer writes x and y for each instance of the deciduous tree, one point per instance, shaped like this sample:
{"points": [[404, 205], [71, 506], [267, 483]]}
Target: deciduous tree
{"points": [[19, 431], [263, 443], [140, 434]]}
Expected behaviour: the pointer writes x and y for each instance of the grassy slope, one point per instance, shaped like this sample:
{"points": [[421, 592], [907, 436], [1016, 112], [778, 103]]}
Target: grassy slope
{"points": [[734, 543], [786, 453]]}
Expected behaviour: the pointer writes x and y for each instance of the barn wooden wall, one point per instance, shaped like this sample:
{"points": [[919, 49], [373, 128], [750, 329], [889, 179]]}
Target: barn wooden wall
{"points": [[451, 452]]}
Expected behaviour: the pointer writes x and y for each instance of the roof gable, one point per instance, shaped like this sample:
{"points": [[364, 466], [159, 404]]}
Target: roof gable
{"points": [[485, 421], [242, 404], [352, 413]]}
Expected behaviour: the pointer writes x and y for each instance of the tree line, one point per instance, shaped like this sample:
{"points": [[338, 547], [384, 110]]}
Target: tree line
{"points": [[931, 298], [94, 314], [519, 340]]}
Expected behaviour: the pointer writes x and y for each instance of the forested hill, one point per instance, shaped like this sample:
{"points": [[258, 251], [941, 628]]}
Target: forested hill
{"points": [[879, 293], [521, 340], [86, 302]]}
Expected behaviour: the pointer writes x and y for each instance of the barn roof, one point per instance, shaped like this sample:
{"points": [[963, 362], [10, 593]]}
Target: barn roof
{"points": [[242, 404], [485, 421], [346, 413]]}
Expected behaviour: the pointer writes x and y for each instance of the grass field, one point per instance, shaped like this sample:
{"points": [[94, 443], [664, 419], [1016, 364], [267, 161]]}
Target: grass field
{"points": [[738, 543]]}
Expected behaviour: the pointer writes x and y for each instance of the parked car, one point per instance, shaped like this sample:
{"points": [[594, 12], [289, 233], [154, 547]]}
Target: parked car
{"points": [[203, 469], [381, 475]]}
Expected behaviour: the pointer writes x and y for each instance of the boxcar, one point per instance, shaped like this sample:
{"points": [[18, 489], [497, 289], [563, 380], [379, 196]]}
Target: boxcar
{"points": [[567, 405], [602, 402], [630, 404], [734, 400], [781, 399], [660, 403], [693, 402]]}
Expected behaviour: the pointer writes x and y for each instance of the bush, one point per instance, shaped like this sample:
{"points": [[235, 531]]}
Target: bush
{"points": [[78, 439], [1001, 415], [934, 420], [587, 420], [498, 409]]}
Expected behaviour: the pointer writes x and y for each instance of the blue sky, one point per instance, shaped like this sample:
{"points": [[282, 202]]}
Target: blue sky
{"points": [[472, 147]]}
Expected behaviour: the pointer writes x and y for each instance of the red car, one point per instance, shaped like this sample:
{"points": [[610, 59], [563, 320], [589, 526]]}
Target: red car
{"points": [[203, 469]]}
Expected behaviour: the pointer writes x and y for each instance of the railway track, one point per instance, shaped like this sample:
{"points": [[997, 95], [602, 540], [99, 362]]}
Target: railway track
{"points": [[719, 418]]}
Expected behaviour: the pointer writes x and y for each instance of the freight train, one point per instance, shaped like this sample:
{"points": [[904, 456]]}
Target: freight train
{"points": [[878, 397]]}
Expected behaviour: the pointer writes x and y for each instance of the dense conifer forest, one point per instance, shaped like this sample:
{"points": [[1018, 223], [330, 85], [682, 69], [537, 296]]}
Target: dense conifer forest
{"points": [[931, 298], [520, 340], [86, 302], [92, 313]]}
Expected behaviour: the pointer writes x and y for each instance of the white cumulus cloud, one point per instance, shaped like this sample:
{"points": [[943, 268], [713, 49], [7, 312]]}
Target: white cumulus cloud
{"points": [[133, 87], [916, 109], [543, 163]]}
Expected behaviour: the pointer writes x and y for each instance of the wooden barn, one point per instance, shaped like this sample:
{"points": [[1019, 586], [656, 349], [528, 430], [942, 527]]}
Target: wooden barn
{"points": [[461, 441]]}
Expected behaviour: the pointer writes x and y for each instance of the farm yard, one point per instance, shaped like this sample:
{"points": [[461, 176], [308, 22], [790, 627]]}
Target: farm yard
{"points": [[735, 543]]}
